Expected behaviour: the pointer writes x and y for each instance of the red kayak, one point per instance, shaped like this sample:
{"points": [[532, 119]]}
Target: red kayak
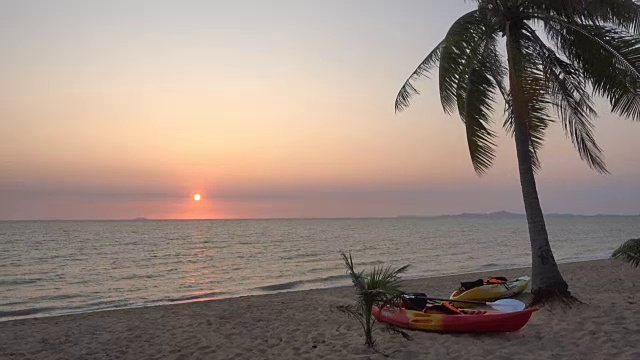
{"points": [[454, 321]]}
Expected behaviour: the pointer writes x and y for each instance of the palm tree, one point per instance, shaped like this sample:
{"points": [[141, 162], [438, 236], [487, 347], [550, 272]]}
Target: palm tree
{"points": [[592, 48], [379, 287], [629, 252]]}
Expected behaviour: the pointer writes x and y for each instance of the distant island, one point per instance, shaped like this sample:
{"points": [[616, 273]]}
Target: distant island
{"points": [[498, 215], [139, 219], [493, 215]]}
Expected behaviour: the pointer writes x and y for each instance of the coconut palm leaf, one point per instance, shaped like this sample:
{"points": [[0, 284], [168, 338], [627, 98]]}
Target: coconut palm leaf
{"points": [[592, 48], [378, 287], [629, 252], [571, 100], [467, 59], [609, 59], [384, 282], [476, 106], [408, 89], [537, 98], [623, 14], [461, 47], [357, 278], [468, 43]]}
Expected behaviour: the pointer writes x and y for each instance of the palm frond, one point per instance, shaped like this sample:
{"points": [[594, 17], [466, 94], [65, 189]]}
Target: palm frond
{"points": [[499, 71], [629, 252], [476, 106], [539, 119], [470, 75], [595, 47], [408, 89], [357, 278], [395, 330], [623, 14], [538, 99], [385, 281], [571, 100], [609, 59], [461, 40], [462, 49], [352, 312], [378, 287]]}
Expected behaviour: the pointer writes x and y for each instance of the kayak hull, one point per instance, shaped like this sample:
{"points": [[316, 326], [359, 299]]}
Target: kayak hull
{"points": [[491, 292], [469, 321]]}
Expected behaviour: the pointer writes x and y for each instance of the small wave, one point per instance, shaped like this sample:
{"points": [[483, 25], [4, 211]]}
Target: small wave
{"points": [[141, 276], [27, 312], [311, 260], [104, 304], [371, 263], [572, 259], [304, 255], [331, 278], [202, 296], [491, 265], [297, 283], [42, 298], [282, 286], [494, 266], [101, 306]]}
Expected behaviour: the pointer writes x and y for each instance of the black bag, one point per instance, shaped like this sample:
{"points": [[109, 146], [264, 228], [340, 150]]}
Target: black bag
{"points": [[414, 301], [471, 284]]}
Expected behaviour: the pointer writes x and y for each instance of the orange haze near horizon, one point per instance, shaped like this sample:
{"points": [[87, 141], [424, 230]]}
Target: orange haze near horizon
{"points": [[125, 109]]}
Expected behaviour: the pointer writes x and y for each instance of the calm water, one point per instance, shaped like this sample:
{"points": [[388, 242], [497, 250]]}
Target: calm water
{"points": [[59, 267]]}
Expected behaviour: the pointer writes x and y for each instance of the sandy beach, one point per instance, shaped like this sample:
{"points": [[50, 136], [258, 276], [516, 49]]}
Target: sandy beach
{"points": [[301, 325]]}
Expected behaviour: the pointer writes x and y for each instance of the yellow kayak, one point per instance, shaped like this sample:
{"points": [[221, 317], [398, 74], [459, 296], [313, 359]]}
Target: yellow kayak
{"points": [[491, 292]]}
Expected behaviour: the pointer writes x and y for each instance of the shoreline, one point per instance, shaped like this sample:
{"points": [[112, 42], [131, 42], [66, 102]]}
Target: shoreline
{"points": [[301, 324], [155, 303], [493, 215]]}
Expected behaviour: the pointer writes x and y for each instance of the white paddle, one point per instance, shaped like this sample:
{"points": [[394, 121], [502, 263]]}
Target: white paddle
{"points": [[504, 305]]}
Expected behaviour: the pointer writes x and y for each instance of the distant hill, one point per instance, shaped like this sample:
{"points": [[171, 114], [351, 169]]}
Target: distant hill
{"points": [[500, 215], [496, 214], [492, 215]]}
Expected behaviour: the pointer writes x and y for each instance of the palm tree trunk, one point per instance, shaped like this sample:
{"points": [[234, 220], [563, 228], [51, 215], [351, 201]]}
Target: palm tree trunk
{"points": [[546, 278], [368, 328]]}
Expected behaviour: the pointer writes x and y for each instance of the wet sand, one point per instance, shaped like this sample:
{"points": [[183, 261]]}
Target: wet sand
{"points": [[301, 325]]}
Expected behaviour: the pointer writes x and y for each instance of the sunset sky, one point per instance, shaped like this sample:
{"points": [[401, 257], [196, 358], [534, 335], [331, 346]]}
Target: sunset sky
{"points": [[123, 109]]}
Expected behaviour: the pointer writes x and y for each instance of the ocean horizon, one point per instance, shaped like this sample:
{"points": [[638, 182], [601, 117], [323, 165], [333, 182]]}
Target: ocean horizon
{"points": [[57, 267], [493, 214]]}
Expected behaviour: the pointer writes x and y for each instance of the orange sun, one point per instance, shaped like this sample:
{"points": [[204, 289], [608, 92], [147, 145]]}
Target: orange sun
{"points": [[197, 197]]}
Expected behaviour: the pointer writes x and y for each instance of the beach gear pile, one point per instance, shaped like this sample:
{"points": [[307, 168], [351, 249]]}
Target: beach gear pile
{"points": [[460, 312]]}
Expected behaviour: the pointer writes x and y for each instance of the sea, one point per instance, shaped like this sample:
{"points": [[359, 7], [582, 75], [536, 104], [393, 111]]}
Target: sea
{"points": [[63, 267]]}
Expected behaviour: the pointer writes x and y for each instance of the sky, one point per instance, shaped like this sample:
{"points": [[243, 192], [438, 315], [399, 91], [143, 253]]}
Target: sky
{"points": [[122, 109]]}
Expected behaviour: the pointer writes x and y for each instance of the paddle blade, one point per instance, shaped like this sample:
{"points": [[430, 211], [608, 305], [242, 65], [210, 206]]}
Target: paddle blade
{"points": [[507, 305]]}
